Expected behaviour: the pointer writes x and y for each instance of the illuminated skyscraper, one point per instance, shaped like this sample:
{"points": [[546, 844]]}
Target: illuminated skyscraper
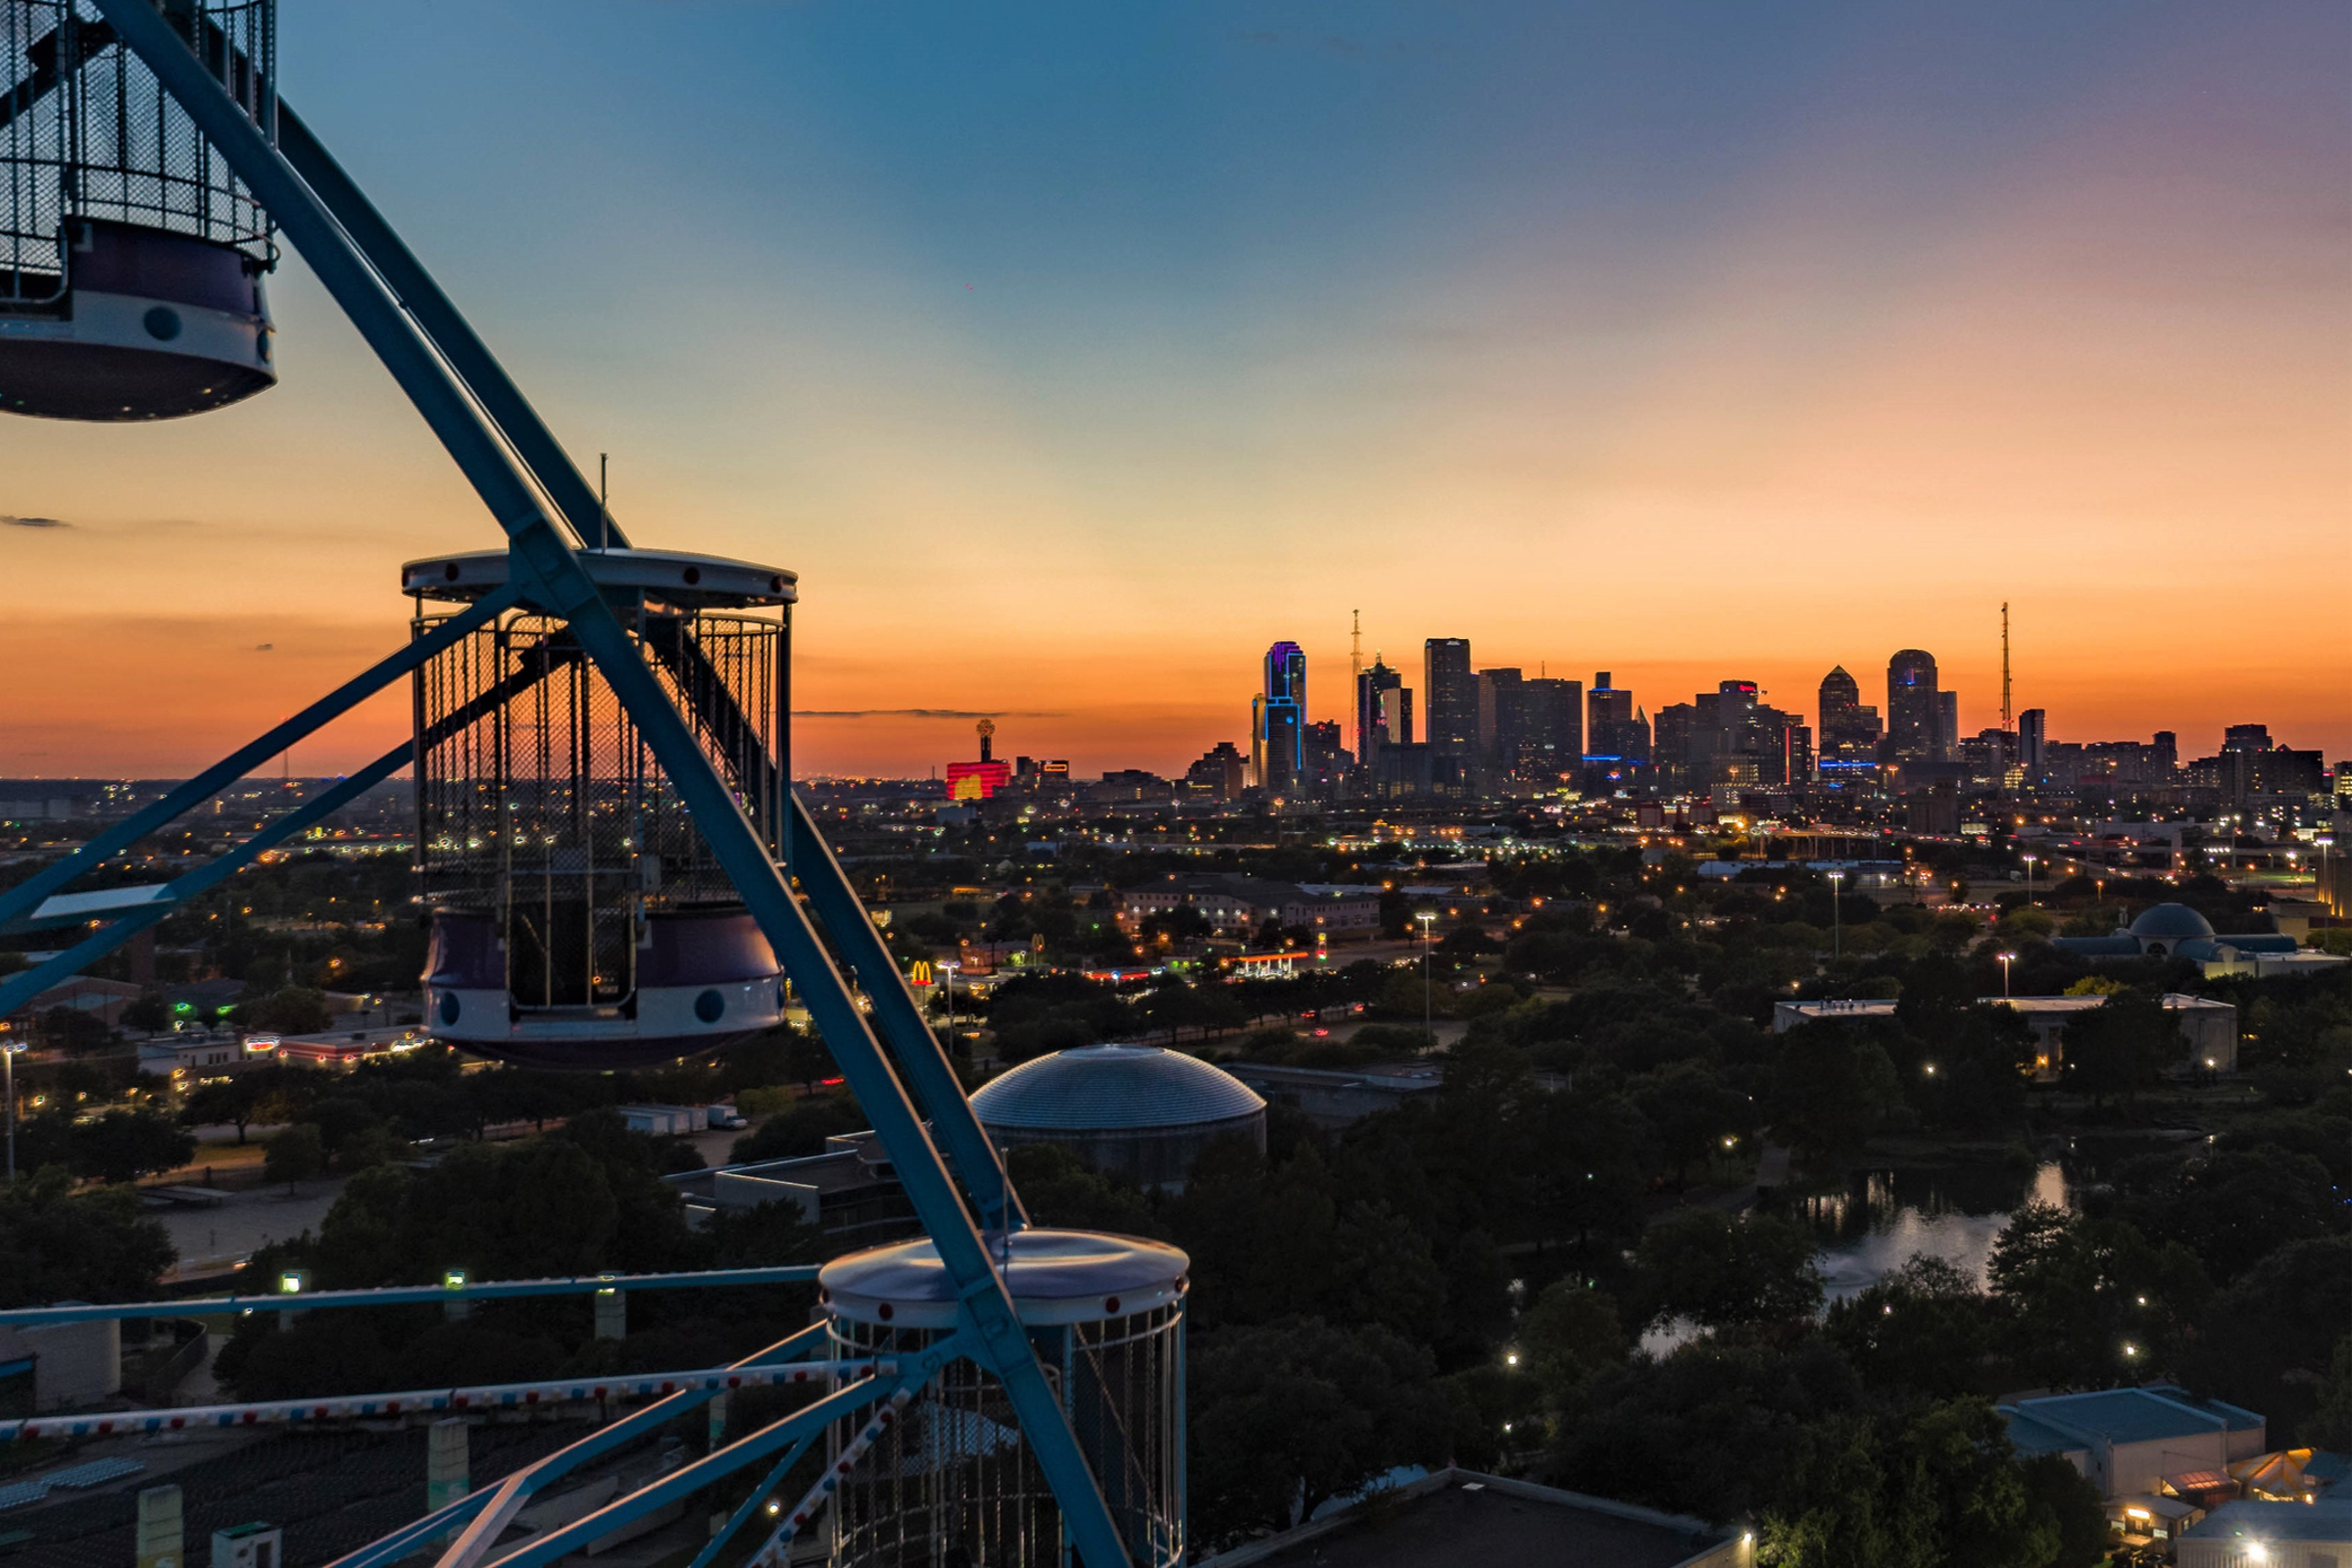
{"points": [[1280, 715], [1451, 694], [1914, 711], [1849, 727], [1384, 713], [1614, 729]]}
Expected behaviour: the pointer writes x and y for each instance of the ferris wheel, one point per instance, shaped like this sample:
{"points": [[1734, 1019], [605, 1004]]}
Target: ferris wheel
{"points": [[609, 847]]}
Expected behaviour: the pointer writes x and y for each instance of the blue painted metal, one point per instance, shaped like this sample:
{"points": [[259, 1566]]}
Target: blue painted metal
{"points": [[27, 894], [417, 1533], [563, 587], [749, 1505], [689, 1479], [704, 1383], [411, 1294], [25, 984]]}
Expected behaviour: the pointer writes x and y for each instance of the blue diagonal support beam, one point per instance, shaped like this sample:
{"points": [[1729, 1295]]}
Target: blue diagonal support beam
{"points": [[562, 585], [27, 894], [920, 1058], [416, 1535], [25, 984]]}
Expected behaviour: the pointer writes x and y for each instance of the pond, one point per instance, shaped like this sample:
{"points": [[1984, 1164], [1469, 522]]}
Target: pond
{"points": [[1876, 1223]]}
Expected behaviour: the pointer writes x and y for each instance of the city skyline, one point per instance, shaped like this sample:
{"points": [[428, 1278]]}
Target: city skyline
{"points": [[1872, 323]]}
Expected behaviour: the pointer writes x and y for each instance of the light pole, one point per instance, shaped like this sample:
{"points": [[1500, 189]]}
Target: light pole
{"points": [[2029, 860], [947, 970], [1428, 1029], [2007, 958], [1837, 918], [8, 1047]]}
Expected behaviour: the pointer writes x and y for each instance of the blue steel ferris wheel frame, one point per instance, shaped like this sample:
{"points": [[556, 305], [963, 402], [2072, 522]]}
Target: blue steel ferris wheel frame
{"points": [[900, 1074]]}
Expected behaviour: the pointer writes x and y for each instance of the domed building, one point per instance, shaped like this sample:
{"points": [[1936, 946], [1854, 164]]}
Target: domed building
{"points": [[2175, 931], [2163, 927], [1139, 1110]]}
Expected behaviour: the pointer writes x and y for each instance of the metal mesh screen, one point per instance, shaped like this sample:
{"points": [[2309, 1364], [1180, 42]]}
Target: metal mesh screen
{"points": [[86, 131], [953, 1481], [539, 803]]}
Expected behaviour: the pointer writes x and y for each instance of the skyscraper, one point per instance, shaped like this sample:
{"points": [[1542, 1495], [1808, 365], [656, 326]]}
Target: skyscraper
{"points": [[1551, 729], [1914, 714], [1614, 730], [1282, 720], [1450, 692], [1947, 723], [1849, 727], [1384, 713], [2033, 734]]}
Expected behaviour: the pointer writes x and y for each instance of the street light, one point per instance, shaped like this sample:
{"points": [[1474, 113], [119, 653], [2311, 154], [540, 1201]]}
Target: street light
{"points": [[10, 1045], [2007, 958], [1428, 1029], [946, 972], [1837, 918], [2029, 860]]}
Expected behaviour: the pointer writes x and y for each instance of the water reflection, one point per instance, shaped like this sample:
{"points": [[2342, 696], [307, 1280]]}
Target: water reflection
{"points": [[1877, 1224]]}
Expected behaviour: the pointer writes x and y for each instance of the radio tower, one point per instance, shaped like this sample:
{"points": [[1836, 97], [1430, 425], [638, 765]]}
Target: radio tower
{"points": [[2007, 722], [1356, 647]]}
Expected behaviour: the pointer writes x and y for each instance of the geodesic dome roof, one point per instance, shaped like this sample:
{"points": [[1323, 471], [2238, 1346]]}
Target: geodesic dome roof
{"points": [[1114, 1089]]}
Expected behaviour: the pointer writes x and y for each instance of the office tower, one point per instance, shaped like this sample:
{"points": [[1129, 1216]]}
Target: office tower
{"points": [[1551, 729], [1947, 723], [1384, 713], [1326, 760], [1914, 715], [1500, 717], [2032, 735], [1282, 720], [2246, 738], [1614, 729], [1450, 696], [1849, 726], [1218, 775]]}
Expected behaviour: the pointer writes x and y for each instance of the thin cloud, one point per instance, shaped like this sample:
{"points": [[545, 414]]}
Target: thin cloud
{"points": [[912, 712], [11, 520], [263, 648]]}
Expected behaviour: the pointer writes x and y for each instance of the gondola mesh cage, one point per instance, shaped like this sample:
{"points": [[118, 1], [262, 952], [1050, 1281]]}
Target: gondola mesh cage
{"points": [[87, 131], [953, 1481], [539, 801]]}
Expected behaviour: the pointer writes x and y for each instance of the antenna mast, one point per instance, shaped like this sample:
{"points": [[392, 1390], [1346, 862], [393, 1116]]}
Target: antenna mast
{"points": [[2006, 721], [1355, 646]]}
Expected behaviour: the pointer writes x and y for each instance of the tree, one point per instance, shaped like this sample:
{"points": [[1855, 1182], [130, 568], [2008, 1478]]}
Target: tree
{"points": [[2086, 1302], [148, 1011], [1832, 1087], [1059, 1191], [1570, 1334], [2273, 1342], [65, 1246], [123, 1146], [293, 1155], [1294, 1413], [293, 1010], [2121, 1047], [1702, 1264], [1926, 1328], [2331, 1423], [1692, 1110]]}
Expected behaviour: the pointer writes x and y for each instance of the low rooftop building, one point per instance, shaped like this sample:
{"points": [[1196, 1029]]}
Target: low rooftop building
{"points": [[2150, 1451], [1338, 1096], [1460, 1516], [2269, 1535], [2209, 1027]]}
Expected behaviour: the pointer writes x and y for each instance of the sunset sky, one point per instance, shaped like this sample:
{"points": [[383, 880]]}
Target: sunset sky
{"points": [[1074, 352]]}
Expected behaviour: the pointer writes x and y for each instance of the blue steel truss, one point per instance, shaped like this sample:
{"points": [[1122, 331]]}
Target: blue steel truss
{"points": [[900, 1075]]}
